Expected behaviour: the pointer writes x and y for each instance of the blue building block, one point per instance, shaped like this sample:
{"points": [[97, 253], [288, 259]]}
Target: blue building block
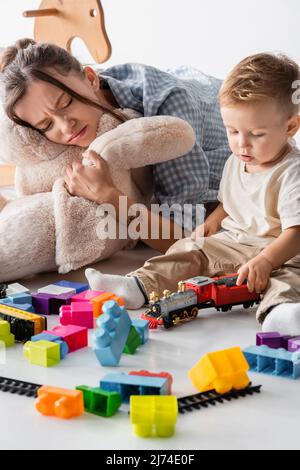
{"points": [[25, 307], [273, 361], [142, 327], [20, 298], [79, 287], [64, 349], [110, 339], [127, 385]]}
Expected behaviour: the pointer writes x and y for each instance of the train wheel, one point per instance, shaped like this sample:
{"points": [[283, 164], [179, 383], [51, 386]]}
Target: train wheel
{"points": [[194, 313], [247, 304], [226, 309]]}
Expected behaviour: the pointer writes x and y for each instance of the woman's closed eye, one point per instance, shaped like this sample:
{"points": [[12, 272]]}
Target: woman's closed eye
{"points": [[63, 106]]}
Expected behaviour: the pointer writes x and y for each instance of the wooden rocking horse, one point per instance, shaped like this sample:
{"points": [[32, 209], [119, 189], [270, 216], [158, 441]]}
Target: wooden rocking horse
{"points": [[60, 21]]}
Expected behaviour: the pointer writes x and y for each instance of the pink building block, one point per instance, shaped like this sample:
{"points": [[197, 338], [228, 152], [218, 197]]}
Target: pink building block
{"points": [[86, 296], [76, 337], [78, 313]]}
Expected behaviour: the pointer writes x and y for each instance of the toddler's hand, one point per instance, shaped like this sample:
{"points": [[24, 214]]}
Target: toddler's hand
{"points": [[258, 271], [204, 230]]}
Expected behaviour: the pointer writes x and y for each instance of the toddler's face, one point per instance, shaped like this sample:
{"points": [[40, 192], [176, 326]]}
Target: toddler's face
{"points": [[258, 132]]}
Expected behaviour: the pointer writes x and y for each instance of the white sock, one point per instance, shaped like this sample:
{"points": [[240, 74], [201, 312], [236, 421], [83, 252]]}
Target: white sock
{"points": [[124, 287], [284, 318]]}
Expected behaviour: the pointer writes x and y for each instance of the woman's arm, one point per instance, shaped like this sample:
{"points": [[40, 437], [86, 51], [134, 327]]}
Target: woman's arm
{"points": [[95, 183]]}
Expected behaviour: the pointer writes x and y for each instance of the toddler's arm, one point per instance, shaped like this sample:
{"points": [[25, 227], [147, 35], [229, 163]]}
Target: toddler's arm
{"points": [[212, 224], [258, 270]]}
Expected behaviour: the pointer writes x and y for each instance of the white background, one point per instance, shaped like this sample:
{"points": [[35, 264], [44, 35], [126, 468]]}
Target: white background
{"points": [[212, 35]]}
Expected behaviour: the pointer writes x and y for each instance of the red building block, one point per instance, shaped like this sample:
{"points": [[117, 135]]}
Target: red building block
{"points": [[76, 337]]}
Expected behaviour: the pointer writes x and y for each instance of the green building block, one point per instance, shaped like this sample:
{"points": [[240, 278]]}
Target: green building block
{"points": [[133, 341], [42, 353], [100, 402], [5, 335]]}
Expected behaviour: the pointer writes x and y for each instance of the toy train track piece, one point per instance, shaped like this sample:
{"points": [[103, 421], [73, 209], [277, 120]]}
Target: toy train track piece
{"points": [[18, 387], [203, 400], [23, 324]]}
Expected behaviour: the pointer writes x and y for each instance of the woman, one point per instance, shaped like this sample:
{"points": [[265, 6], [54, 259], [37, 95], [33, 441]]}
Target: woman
{"points": [[48, 89]]}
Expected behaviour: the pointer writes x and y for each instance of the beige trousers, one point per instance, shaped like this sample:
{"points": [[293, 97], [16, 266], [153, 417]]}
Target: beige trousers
{"points": [[215, 257]]}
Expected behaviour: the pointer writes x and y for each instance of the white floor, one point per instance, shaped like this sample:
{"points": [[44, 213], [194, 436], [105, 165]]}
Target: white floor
{"points": [[267, 421]]}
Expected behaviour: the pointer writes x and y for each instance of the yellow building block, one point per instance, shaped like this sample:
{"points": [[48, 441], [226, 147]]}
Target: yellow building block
{"points": [[153, 415], [42, 353], [5, 335], [221, 371]]}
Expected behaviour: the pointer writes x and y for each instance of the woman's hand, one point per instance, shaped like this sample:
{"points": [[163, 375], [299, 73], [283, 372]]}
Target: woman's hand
{"points": [[258, 271], [91, 182]]}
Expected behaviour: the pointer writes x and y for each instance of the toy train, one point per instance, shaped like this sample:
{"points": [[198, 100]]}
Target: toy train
{"points": [[194, 294]]}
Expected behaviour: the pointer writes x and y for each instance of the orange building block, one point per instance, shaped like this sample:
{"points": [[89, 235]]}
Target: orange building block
{"points": [[98, 302], [221, 371], [59, 402]]}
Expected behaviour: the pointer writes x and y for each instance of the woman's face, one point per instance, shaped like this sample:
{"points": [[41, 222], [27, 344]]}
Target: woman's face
{"points": [[60, 117]]}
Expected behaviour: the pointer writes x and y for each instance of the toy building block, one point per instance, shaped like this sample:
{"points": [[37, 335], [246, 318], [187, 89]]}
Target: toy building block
{"points": [[271, 339], [78, 286], [16, 288], [110, 339], [24, 307], [133, 341], [273, 361], [59, 402], [49, 304], [64, 349], [153, 415], [78, 313], [42, 353], [86, 296], [221, 371], [294, 344], [5, 335], [127, 385], [52, 289], [164, 375], [23, 298], [23, 324], [100, 402], [99, 301], [76, 337], [142, 327]]}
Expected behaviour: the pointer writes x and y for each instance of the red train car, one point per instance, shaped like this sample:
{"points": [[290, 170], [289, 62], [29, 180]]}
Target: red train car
{"points": [[197, 293]]}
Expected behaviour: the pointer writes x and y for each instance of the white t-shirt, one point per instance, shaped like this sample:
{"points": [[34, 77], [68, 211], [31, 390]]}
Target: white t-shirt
{"points": [[260, 205]]}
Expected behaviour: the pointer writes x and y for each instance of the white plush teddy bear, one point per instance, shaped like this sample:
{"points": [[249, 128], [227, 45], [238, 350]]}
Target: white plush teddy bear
{"points": [[46, 229]]}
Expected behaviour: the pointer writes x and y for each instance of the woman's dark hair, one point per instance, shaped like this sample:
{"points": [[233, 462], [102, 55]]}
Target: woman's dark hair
{"points": [[27, 61]]}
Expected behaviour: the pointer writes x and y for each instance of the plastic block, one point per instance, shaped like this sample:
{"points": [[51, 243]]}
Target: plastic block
{"points": [[42, 353], [78, 286], [110, 339], [64, 349], [24, 307], [76, 337], [142, 327], [41, 303], [165, 375], [52, 289], [16, 288], [59, 402], [78, 313], [133, 341], [22, 298], [153, 416], [221, 371], [99, 301], [271, 339], [86, 296], [100, 402], [127, 385], [5, 335], [294, 344], [277, 362]]}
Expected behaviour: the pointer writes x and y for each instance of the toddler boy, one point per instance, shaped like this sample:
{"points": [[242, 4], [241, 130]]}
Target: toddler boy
{"points": [[259, 210]]}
